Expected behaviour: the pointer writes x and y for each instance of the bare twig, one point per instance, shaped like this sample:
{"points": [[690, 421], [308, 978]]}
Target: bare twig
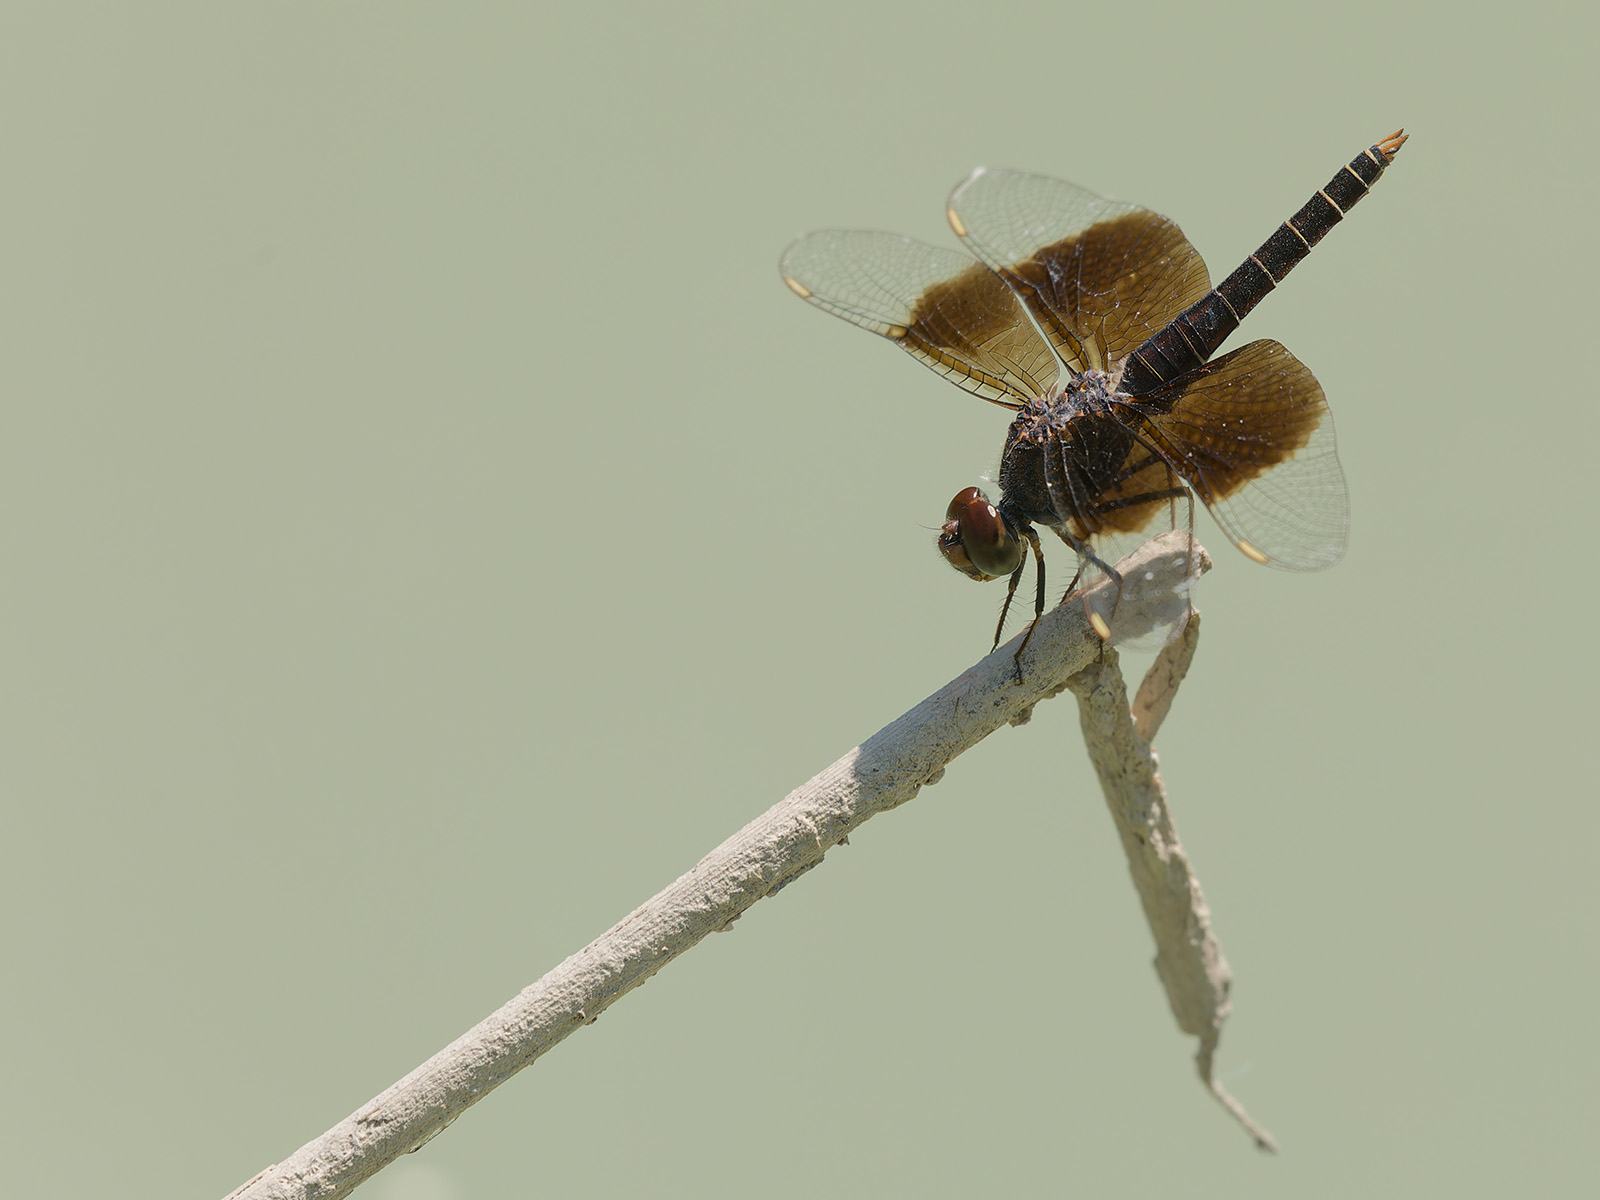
{"points": [[1160, 685], [883, 772], [1188, 958]]}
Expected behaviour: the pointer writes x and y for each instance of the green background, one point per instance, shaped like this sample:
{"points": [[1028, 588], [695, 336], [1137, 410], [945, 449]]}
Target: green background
{"points": [[429, 526]]}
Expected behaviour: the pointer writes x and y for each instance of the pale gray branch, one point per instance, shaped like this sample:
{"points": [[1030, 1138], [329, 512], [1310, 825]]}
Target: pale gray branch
{"points": [[1188, 958], [883, 772], [1159, 688]]}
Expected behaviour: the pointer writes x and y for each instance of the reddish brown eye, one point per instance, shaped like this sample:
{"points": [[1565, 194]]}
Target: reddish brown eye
{"points": [[975, 539], [963, 500]]}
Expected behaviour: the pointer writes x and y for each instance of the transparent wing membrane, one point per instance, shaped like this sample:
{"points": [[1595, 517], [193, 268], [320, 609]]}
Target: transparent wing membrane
{"points": [[1065, 285], [939, 305], [1253, 437], [1100, 277]]}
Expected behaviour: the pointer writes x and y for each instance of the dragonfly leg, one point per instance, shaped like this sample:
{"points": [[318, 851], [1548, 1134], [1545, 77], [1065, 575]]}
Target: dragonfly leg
{"points": [[1011, 591], [1038, 599]]}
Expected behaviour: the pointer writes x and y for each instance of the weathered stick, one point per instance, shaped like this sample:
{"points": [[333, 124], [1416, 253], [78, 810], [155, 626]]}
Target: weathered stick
{"points": [[1188, 958], [883, 772]]}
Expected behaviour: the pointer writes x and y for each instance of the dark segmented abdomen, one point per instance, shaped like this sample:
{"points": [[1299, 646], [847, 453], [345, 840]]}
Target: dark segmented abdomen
{"points": [[1193, 337]]}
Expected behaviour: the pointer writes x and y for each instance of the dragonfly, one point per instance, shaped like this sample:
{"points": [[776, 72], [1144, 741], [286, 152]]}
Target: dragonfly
{"points": [[1094, 322]]}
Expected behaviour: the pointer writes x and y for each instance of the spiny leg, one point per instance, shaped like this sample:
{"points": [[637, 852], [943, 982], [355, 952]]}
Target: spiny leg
{"points": [[1011, 590], [1171, 493], [1038, 600], [1091, 517], [1177, 490], [1097, 622], [1071, 502], [1150, 459], [1073, 586]]}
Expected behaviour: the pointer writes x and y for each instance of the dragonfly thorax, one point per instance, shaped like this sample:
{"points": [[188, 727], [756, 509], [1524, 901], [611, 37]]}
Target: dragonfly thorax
{"points": [[1087, 393], [1090, 391]]}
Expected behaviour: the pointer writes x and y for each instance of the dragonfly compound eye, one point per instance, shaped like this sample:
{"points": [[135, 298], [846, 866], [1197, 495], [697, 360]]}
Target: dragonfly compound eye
{"points": [[975, 539]]}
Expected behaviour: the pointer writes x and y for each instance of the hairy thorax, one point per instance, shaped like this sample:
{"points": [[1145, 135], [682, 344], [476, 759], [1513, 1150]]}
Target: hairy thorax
{"points": [[1087, 394], [1073, 461]]}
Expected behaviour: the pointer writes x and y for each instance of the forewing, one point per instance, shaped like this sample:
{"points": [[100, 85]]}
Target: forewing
{"points": [[1252, 435], [1099, 276], [940, 306]]}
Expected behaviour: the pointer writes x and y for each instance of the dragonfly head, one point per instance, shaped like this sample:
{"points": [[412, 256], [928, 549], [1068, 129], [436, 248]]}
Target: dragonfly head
{"points": [[976, 538]]}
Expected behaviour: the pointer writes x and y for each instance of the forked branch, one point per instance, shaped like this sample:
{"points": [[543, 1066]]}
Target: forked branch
{"points": [[1188, 958], [882, 773]]}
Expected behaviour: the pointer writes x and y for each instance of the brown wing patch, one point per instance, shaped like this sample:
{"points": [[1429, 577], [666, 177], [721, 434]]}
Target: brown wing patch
{"points": [[1251, 434], [944, 308], [1110, 287], [1098, 276], [971, 326]]}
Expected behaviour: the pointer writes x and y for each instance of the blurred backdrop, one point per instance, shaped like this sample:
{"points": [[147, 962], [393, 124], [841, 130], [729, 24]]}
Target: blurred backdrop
{"points": [[430, 525]]}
